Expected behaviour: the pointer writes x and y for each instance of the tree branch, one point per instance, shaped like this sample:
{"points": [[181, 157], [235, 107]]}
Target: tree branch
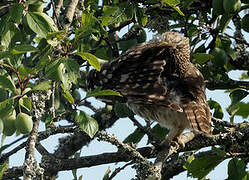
{"points": [[42, 135], [235, 141], [57, 10], [70, 13], [71, 144], [31, 167], [229, 84]]}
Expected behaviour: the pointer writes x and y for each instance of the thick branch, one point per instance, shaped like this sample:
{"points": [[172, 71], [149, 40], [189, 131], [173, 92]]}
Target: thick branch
{"points": [[239, 138], [31, 168], [70, 13]]}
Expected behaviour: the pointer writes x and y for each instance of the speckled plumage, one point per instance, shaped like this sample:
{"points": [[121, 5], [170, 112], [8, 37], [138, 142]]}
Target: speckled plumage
{"points": [[158, 82]]}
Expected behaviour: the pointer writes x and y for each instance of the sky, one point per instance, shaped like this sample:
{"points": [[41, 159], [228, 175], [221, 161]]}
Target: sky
{"points": [[121, 129]]}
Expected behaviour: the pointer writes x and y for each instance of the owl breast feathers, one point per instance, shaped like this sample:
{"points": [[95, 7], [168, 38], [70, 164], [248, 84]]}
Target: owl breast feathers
{"points": [[158, 82]]}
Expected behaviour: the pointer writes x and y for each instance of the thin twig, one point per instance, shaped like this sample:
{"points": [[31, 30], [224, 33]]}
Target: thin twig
{"points": [[117, 170], [53, 100], [229, 84], [102, 135], [42, 135], [237, 39], [88, 104], [43, 151], [224, 123]]}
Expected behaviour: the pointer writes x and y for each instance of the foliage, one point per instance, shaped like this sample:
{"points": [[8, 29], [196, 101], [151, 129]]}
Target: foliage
{"points": [[48, 52]]}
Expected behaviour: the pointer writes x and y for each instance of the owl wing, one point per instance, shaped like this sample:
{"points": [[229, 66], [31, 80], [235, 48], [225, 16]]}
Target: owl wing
{"points": [[137, 75]]}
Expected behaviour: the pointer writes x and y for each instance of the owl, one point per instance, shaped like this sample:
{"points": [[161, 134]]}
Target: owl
{"points": [[158, 82]]}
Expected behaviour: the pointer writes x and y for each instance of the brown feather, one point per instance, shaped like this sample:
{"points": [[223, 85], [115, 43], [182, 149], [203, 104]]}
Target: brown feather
{"points": [[159, 83]]}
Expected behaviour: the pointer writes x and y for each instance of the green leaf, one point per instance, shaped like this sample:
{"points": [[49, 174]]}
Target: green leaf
{"points": [[93, 60], [225, 19], [246, 177], [106, 175], [188, 161], [122, 111], [244, 75], [237, 95], [67, 95], [141, 17], [88, 20], [109, 15], [57, 34], [88, 124], [106, 92], [219, 152], [16, 12], [187, 3], [3, 94], [23, 48], [178, 10], [218, 113], [159, 132], [43, 86], [37, 23], [134, 137], [5, 54], [73, 70], [8, 34], [24, 71], [74, 171], [112, 15], [7, 83], [72, 65], [239, 109], [48, 120], [171, 2], [200, 167], [56, 70], [6, 107], [49, 20], [129, 12], [25, 102], [3, 167], [201, 58], [236, 169]]}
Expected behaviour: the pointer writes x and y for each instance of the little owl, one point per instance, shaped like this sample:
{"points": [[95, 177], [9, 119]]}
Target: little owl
{"points": [[158, 82]]}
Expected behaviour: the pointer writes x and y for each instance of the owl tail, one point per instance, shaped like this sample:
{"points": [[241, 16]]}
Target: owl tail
{"points": [[199, 116]]}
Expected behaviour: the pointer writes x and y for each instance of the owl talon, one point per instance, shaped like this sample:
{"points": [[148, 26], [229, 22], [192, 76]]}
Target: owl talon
{"points": [[180, 142]]}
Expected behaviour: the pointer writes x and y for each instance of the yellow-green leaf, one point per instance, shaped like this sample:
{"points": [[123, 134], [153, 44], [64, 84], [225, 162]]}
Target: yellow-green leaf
{"points": [[67, 94], [93, 60], [7, 83], [106, 92], [20, 49], [43, 86], [201, 58], [88, 124]]}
